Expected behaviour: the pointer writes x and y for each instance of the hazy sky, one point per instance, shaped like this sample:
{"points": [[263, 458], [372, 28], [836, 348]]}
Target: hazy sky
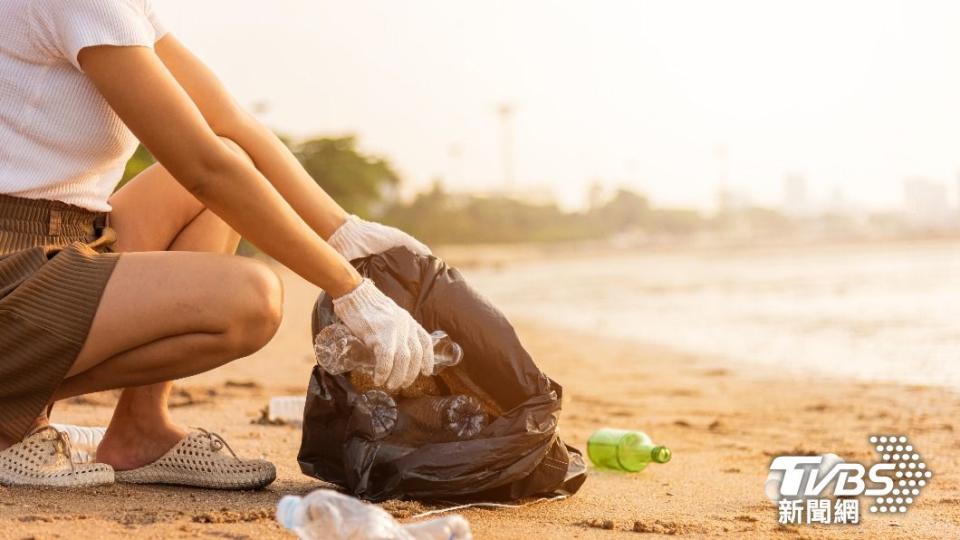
{"points": [[661, 96]]}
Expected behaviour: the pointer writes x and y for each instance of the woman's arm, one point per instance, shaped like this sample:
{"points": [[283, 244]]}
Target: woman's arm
{"points": [[144, 93], [352, 237], [271, 156], [156, 108]]}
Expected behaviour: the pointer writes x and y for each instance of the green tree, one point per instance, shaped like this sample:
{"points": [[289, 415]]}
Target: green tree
{"points": [[625, 211], [362, 184], [141, 160], [438, 217]]}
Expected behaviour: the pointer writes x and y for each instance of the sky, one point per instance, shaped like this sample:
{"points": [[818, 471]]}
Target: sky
{"points": [[673, 98]]}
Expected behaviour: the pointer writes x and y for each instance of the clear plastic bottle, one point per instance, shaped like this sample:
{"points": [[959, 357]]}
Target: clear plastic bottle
{"points": [[83, 441], [287, 409], [328, 515], [338, 351], [461, 416], [378, 412], [625, 450]]}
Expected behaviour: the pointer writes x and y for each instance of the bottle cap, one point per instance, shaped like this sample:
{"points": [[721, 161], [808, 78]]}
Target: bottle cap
{"points": [[661, 454], [288, 512]]}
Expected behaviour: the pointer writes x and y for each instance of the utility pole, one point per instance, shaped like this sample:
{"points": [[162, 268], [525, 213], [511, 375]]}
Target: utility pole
{"points": [[505, 111]]}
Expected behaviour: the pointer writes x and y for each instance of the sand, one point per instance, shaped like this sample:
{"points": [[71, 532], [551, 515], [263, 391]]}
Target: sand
{"points": [[723, 422]]}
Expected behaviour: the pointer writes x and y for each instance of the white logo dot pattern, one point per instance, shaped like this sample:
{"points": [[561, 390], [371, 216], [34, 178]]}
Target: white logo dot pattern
{"points": [[894, 449]]}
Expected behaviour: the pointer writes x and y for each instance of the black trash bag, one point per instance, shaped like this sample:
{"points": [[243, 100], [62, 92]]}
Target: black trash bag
{"points": [[517, 454]]}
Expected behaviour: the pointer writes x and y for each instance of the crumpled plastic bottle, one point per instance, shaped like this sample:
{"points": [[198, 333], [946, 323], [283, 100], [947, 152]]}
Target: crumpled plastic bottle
{"points": [[460, 417], [328, 515], [338, 351]]}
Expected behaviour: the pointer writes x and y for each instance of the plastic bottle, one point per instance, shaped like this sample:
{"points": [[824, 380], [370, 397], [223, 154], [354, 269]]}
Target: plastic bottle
{"points": [[378, 412], [83, 441], [327, 515], [286, 409], [625, 450], [339, 351], [452, 527], [460, 416]]}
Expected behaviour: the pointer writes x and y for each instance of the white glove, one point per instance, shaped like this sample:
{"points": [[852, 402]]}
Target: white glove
{"points": [[403, 349], [358, 238]]}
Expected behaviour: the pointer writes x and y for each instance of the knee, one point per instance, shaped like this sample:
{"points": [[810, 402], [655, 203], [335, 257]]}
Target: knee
{"points": [[259, 308]]}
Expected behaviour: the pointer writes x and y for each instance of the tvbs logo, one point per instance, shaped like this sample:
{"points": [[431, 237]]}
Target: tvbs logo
{"points": [[894, 482]]}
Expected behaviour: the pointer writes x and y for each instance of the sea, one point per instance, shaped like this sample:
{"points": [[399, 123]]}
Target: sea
{"points": [[872, 312]]}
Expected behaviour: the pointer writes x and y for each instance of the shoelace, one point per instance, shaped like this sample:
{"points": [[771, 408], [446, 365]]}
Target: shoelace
{"points": [[217, 443], [61, 445]]}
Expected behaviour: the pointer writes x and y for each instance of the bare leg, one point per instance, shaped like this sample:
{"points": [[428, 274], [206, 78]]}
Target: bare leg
{"points": [[164, 316], [153, 213], [142, 413]]}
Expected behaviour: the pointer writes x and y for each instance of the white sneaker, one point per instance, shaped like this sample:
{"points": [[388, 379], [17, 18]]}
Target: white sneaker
{"points": [[43, 459]]}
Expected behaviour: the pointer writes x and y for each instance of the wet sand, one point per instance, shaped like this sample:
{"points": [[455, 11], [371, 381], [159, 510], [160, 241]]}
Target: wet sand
{"points": [[723, 422]]}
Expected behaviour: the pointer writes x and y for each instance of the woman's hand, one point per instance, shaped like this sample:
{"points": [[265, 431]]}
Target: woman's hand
{"points": [[358, 238], [402, 347]]}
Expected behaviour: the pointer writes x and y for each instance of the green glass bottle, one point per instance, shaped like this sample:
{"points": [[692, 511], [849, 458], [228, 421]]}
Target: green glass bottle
{"points": [[624, 450]]}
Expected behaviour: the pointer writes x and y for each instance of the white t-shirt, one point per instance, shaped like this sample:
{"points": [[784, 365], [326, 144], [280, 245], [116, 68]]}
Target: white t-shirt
{"points": [[59, 139]]}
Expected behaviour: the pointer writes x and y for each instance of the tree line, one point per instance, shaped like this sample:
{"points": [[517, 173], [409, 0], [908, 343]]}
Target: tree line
{"points": [[368, 186]]}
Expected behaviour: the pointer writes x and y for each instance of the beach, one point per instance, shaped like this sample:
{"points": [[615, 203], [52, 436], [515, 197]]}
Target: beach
{"points": [[724, 420]]}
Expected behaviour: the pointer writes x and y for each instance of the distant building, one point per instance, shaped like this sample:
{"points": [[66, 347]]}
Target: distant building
{"points": [[796, 201], [926, 204]]}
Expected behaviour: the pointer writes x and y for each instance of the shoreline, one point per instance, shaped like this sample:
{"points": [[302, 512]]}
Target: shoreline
{"points": [[768, 369], [724, 423], [874, 313], [471, 256]]}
